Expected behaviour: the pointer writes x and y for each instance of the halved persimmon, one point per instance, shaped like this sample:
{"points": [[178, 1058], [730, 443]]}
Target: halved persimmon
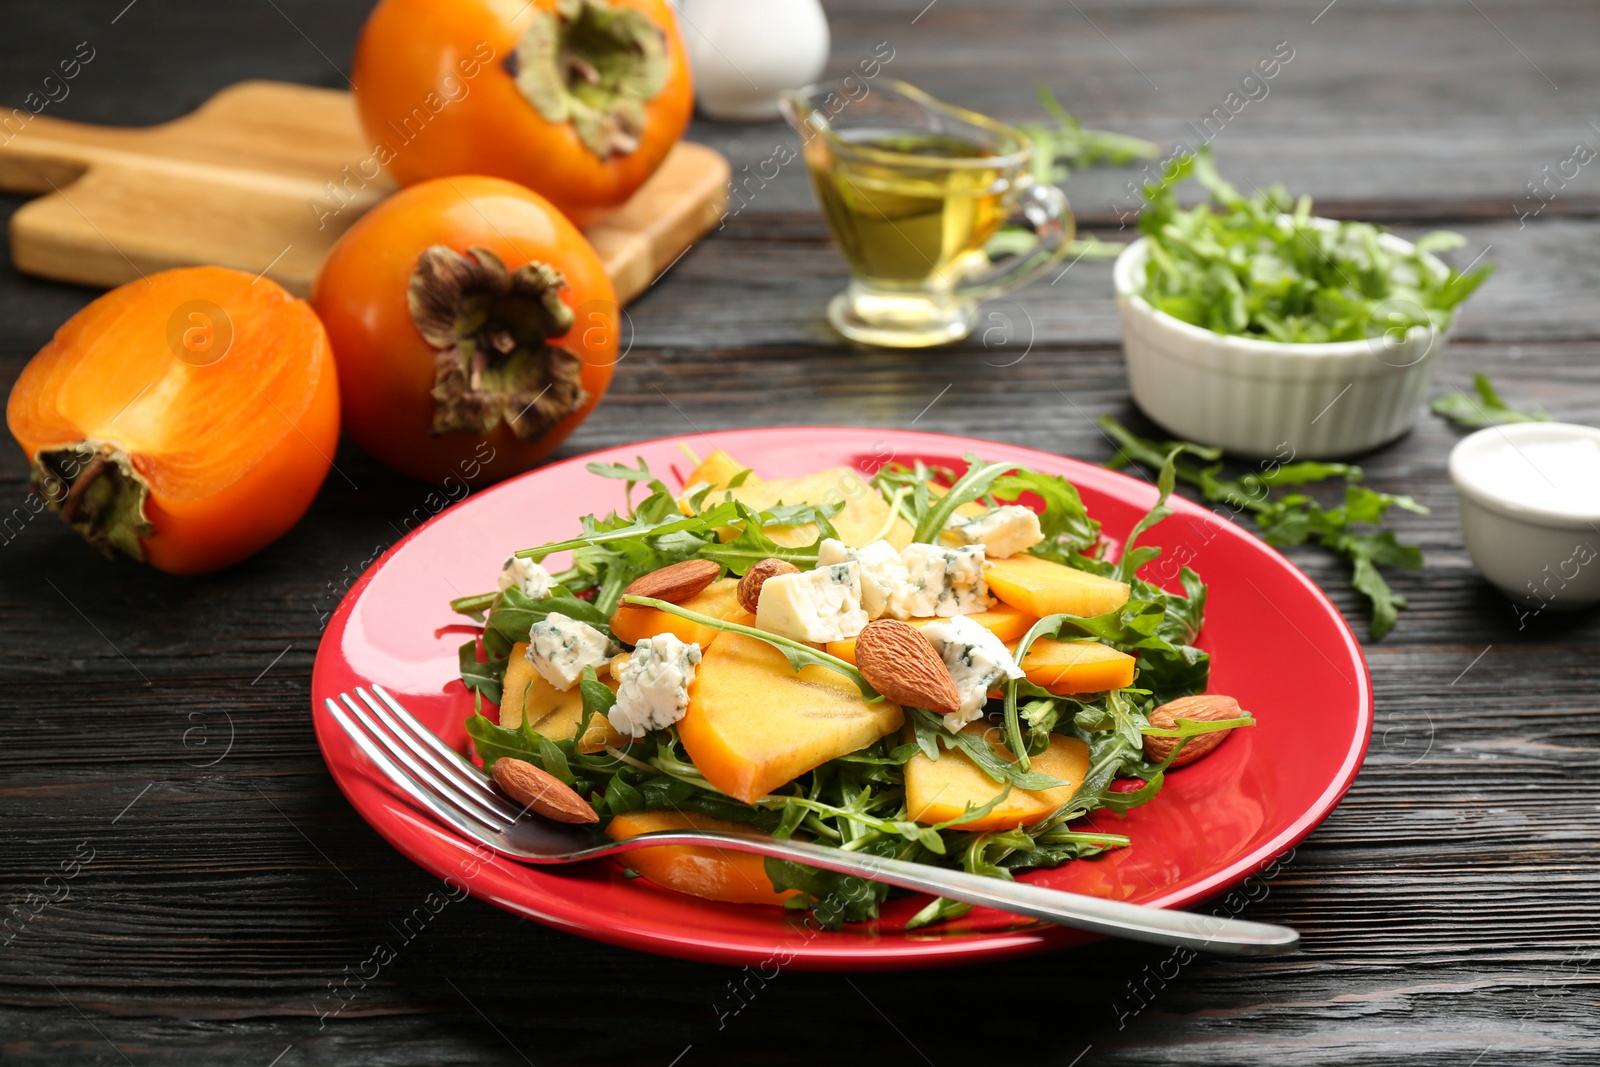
{"points": [[186, 419]]}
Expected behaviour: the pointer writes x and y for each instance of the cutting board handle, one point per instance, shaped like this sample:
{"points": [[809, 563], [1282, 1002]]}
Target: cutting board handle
{"points": [[248, 179], [49, 153]]}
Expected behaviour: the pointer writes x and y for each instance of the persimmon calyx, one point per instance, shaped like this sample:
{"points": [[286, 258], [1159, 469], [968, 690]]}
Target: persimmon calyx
{"points": [[490, 328], [93, 486], [594, 65]]}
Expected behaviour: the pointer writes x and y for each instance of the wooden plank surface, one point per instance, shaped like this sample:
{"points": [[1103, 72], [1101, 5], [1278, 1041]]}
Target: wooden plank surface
{"points": [[1450, 907]]}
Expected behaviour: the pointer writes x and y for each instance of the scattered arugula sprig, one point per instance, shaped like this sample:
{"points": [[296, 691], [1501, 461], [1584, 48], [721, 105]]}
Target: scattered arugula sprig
{"points": [[1060, 147], [1294, 518], [1486, 409], [1065, 144], [1261, 266]]}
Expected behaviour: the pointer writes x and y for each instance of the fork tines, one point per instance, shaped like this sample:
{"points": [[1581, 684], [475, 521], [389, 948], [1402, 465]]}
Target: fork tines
{"points": [[422, 766]]}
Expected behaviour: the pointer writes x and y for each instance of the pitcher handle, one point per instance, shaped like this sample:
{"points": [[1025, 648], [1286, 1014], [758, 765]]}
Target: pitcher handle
{"points": [[1046, 210]]}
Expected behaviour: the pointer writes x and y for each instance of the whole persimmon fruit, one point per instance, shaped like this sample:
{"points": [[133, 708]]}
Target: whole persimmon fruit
{"points": [[474, 328], [579, 100], [186, 419]]}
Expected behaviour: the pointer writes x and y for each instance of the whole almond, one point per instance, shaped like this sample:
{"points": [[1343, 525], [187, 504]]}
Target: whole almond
{"points": [[1208, 707], [902, 664], [755, 577], [678, 582], [540, 791]]}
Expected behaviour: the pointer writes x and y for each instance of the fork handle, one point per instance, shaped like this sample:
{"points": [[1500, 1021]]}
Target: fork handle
{"points": [[1209, 933]]}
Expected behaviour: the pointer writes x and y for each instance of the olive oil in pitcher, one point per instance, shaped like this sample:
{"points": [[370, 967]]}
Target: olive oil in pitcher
{"points": [[904, 227]]}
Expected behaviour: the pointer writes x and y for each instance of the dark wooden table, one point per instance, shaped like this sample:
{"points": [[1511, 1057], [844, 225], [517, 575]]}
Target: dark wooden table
{"points": [[157, 729]]}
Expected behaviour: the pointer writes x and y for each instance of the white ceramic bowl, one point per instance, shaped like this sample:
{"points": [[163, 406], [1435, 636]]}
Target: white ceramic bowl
{"points": [[1539, 556], [1267, 398]]}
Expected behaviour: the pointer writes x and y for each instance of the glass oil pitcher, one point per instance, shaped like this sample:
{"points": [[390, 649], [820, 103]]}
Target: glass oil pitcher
{"points": [[912, 189]]}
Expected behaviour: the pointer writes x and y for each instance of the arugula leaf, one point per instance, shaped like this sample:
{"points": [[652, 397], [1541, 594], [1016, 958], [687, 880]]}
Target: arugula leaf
{"points": [[970, 813], [1134, 557], [474, 606], [1066, 144], [1386, 602], [833, 899], [752, 545], [937, 910], [1015, 240], [595, 534], [1187, 728], [1060, 147], [482, 678], [492, 742], [781, 514], [969, 487], [611, 552], [655, 507], [1301, 473], [980, 752], [631, 475], [1260, 266], [621, 797], [906, 488], [1486, 409], [1296, 518], [515, 612], [598, 699]]}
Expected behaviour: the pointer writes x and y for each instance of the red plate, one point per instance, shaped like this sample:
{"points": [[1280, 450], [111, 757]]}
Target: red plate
{"points": [[1277, 644]]}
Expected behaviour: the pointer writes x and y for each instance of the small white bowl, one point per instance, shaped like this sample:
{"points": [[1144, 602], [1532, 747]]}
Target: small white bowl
{"points": [[1538, 554], [1270, 398]]}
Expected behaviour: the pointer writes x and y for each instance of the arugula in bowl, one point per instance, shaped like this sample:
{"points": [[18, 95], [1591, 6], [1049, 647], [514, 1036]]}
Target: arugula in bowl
{"points": [[1261, 266]]}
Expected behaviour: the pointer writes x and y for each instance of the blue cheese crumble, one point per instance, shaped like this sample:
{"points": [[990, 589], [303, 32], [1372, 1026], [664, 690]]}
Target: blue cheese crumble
{"points": [[817, 606], [977, 660], [940, 582], [1002, 532], [560, 648], [882, 570], [653, 685], [526, 575]]}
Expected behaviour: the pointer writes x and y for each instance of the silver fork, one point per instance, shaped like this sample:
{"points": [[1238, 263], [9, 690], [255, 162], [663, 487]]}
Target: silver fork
{"points": [[434, 776]]}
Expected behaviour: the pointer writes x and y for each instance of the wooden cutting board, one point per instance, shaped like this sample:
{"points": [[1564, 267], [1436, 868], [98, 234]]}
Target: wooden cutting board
{"points": [[265, 176]]}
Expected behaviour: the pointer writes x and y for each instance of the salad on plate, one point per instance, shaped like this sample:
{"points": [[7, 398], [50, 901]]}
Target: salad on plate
{"points": [[945, 668]]}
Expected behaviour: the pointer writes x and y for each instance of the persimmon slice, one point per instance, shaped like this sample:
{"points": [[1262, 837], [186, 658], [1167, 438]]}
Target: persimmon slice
{"points": [[186, 419]]}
